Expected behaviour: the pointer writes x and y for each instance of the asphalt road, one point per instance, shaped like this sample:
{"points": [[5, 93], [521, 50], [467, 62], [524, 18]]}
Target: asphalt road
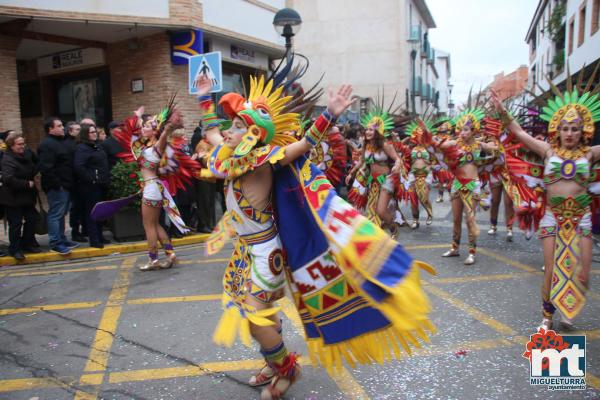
{"points": [[102, 329]]}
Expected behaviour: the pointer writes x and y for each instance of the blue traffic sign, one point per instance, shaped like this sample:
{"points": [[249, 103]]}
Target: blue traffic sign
{"points": [[209, 65]]}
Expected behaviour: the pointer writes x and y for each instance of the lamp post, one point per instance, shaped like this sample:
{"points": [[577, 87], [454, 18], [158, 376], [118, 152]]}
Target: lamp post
{"points": [[450, 103], [413, 56], [287, 23]]}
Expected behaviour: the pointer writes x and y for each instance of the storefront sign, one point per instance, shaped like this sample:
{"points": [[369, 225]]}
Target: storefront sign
{"points": [[185, 45], [70, 60], [241, 53]]}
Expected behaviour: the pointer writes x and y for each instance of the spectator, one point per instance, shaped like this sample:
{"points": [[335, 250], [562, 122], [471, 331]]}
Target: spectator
{"points": [[101, 135], [205, 191], [76, 219], [111, 146], [18, 196], [56, 167], [93, 177]]}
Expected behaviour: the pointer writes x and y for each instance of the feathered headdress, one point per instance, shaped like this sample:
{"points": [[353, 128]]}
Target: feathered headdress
{"points": [[379, 118], [570, 106], [443, 126]]}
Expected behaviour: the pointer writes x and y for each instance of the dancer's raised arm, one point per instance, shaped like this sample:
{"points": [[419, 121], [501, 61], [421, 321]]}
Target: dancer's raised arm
{"points": [[537, 146], [337, 102]]}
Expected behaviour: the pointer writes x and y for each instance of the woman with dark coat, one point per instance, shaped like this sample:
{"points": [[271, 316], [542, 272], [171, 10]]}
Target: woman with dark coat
{"points": [[93, 177], [18, 195]]}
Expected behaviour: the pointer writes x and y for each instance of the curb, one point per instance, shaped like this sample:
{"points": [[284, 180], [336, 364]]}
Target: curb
{"points": [[89, 252]]}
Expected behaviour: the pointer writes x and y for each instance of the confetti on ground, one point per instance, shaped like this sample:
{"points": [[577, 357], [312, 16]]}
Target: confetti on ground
{"points": [[460, 354], [29, 315]]}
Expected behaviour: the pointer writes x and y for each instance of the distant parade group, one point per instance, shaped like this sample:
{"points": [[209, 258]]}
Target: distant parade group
{"points": [[357, 291]]}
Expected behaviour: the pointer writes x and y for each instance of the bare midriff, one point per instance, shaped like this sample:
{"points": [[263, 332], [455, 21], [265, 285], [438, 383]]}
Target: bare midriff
{"points": [[257, 185]]}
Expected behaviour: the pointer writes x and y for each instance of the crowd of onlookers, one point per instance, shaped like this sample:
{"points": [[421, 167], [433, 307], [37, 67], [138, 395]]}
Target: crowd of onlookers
{"points": [[73, 163]]}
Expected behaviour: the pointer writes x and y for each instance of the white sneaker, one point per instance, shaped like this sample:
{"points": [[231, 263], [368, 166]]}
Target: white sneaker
{"points": [[509, 235], [470, 260], [546, 324], [451, 253], [492, 230]]}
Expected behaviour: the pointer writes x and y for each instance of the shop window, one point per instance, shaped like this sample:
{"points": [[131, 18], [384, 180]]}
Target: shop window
{"points": [[30, 99], [595, 16], [581, 32]]}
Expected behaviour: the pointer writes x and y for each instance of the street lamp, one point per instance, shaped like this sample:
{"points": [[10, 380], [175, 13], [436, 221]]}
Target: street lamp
{"points": [[287, 23], [450, 103], [413, 56]]}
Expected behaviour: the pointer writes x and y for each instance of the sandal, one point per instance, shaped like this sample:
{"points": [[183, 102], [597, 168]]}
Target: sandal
{"points": [[279, 385], [152, 265], [264, 376], [171, 261]]}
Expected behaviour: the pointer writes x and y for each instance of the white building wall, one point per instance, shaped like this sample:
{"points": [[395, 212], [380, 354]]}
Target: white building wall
{"points": [[141, 8], [442, 66], [588, 52], [357, 42], [243, 17]]}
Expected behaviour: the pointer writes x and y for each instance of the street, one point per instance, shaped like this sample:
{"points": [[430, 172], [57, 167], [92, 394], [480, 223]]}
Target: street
{"points": [[102, 329]]}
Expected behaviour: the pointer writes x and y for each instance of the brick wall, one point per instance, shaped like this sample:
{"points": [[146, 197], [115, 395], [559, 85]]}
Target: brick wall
{"points": [[512, 84], [10, 115], [152, 63], [181, 12]]}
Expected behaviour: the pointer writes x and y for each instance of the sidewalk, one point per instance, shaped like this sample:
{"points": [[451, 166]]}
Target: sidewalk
{"points": [[84, 251]]}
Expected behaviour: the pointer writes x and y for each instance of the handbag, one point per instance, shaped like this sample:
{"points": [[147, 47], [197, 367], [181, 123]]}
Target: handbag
{"points": [[41, 222]]}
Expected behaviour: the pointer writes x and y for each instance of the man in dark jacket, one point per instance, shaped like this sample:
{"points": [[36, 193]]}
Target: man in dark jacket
{"points": [[110, 146], [56, 167], [205, 192]]}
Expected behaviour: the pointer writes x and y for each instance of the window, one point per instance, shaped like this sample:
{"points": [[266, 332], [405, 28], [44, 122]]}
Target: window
{"points": [[581, 32], [595, 16], [571, 34]]}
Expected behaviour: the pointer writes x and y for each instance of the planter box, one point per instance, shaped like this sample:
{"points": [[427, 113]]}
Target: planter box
{"points": [[126, 225]]}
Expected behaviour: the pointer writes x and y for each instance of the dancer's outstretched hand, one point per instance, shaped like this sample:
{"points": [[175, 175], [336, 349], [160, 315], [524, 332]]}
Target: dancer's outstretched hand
{"points": [[338, 101], [139, 112], [204, 85], [496, 102]]}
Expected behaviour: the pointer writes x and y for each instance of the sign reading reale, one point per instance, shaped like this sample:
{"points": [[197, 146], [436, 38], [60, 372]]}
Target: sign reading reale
{"points": [[68, 60]]}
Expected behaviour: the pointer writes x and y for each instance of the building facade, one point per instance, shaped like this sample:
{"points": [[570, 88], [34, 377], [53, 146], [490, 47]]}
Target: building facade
{"points": [[104, 59], [380, 46], [510, 85], [561, 33]]}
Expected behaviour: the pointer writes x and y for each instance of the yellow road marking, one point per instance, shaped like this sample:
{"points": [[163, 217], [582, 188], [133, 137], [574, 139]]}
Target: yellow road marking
{"points": [[48, 307], [507, 260], [91, 379], [438, 350], [592, 380], [203, 261], [98, 358], [343, 378], [160, 300], [13, 385], [63, 271], [472, 311], [483, 278], [188, 371], [427, 246]]}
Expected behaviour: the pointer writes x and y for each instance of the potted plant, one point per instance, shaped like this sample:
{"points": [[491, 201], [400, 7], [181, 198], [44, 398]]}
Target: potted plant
{"points": [[127, 222]]}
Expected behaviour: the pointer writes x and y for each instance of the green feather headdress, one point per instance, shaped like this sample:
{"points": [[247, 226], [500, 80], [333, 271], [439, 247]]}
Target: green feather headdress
{"points": [[379, 120], [570, 106], [469, 115]]}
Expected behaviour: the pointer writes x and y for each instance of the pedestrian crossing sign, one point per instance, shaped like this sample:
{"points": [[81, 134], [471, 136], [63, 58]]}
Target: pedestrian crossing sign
{"points": [[209, 65]]}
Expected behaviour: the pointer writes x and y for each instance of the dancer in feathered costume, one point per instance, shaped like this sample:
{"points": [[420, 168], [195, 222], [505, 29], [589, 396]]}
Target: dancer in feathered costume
{"points": [[466, 155], [356, 290], [442, 131], [330, 156], [164, 168], [375, 183], [562, 208], [419, 159]]}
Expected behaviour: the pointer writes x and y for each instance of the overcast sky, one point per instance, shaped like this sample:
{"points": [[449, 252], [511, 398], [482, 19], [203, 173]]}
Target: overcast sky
{"points": [[483, 37]]}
